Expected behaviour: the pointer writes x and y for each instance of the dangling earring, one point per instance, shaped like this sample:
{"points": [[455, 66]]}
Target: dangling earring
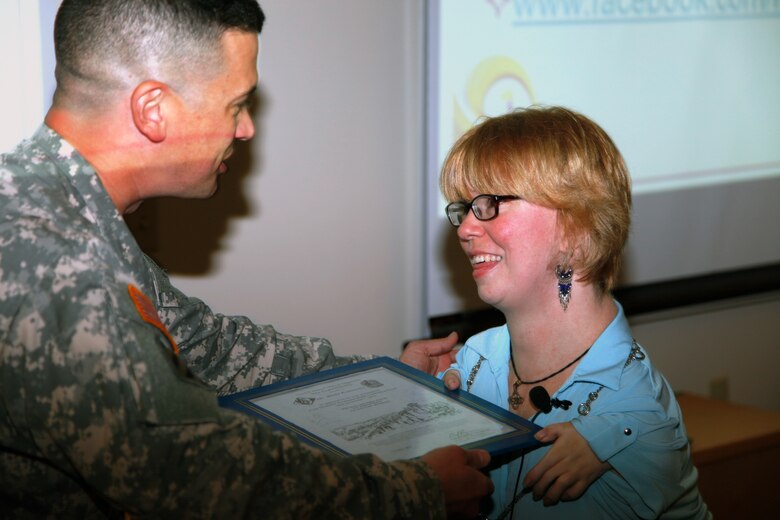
{"points": [[564, 285]]}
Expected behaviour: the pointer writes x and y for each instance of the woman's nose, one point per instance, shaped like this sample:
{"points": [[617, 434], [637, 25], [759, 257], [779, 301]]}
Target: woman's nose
{"points": [[469, 227]]}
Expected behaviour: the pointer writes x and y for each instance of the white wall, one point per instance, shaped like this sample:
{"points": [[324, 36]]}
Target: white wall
{"points": [[735, 341], [331, 246], [22, 105]]}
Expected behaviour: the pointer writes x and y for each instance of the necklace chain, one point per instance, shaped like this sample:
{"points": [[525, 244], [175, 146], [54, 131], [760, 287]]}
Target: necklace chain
{"points": [[515, 400]]}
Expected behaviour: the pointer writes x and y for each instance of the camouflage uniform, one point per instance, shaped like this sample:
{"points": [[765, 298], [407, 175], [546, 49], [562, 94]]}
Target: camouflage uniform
{"points": [[100, 417]]}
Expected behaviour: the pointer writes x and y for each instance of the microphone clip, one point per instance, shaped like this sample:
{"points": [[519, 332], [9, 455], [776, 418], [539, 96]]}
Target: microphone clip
{"points": [[541, 400]]}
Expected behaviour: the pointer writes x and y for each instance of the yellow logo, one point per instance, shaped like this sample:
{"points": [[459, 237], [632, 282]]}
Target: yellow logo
{"points": [[496, 86]]}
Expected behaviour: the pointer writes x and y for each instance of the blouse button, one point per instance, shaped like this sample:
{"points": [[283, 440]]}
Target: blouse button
{"points": [[627, 431]]}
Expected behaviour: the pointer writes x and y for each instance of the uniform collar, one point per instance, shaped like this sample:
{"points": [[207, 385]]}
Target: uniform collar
{"points": [[80, 174], [90, 195]]}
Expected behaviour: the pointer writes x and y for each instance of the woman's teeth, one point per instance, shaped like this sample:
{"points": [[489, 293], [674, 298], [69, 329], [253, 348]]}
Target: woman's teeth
{"points": [[480, 259]]}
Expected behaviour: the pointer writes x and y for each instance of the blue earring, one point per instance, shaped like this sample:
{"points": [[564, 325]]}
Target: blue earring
{"points": [[564, 285]]}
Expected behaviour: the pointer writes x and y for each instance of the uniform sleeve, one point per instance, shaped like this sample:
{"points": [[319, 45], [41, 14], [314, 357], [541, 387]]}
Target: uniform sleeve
{"points": [[231, 353], [107, 403]]}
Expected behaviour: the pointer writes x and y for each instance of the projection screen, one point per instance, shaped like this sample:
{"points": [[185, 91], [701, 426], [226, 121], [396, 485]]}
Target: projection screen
{"points": [[688, 89]]}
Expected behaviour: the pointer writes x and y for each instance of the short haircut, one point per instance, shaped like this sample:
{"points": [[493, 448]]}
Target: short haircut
{"points": [[557, 158], [105, 45]]}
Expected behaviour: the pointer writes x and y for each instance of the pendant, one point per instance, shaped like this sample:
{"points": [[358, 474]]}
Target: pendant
{"points": [[515, 400]]}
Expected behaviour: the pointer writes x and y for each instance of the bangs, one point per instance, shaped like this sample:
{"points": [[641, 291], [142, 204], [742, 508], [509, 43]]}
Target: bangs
{"points": [[482, 164]]}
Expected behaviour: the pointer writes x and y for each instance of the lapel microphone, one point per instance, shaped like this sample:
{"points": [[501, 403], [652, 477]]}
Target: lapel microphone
{"points": [[541, 399]]}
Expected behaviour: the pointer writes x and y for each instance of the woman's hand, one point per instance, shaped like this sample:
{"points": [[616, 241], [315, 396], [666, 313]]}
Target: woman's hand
{"points": [[452, 380], [567, 469]]}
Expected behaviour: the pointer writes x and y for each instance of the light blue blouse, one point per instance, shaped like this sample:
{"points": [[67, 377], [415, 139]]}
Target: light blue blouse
{"points": [[634, 423]]}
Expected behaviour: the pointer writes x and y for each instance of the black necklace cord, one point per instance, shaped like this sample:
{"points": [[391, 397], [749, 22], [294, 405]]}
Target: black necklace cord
{"points": [[539, 396], [520, 381]]}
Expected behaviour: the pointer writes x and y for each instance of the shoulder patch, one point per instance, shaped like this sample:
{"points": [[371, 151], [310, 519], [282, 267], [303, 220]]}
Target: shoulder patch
{"points": [[148, 313]]}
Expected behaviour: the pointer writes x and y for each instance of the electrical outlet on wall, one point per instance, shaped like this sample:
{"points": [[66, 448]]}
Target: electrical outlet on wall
{"points": [[719, 388]]}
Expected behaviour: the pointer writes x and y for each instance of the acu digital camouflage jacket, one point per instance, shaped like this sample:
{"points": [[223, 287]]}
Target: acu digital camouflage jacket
{"points": [[99, 417]]}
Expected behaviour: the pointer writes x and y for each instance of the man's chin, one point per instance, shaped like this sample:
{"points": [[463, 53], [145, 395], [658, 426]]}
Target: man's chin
{"points": [[204, 191], [213, 191]]}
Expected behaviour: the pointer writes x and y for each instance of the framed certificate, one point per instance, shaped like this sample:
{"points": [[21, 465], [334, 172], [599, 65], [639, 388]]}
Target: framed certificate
{"points": [[385, 407]]}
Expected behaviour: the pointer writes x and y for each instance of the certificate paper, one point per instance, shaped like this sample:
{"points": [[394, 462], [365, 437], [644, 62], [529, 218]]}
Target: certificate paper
{"points": [[384, 407]]}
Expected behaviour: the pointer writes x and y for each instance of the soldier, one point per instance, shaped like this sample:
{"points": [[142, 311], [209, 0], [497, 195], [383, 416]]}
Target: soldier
{"points": [[108, 374]]}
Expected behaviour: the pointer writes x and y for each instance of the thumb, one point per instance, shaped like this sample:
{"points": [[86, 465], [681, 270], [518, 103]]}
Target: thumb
{"points": [[477, 458], [549, 433], [452, 379], [442, 345]]}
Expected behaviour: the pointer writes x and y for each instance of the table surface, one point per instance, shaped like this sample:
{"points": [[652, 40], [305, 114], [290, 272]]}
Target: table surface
{"points": [[719, 429]]}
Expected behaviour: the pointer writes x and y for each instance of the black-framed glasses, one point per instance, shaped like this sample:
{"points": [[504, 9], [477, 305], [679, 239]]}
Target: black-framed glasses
{"points": [[485, 207]]}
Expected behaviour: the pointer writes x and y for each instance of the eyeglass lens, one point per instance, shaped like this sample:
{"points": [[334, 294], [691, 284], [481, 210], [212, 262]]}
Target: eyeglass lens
{"points": [[484, 207]]}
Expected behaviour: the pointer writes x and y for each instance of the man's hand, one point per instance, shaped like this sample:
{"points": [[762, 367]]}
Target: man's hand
{"points": [[431, 355], [462, 482], [567, 469]]}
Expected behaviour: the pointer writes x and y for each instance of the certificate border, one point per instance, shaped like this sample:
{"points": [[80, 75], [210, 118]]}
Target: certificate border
{"points": [[521, 437]]}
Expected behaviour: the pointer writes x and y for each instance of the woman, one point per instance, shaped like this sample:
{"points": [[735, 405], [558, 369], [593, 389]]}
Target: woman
{"points": [[541, 201]]}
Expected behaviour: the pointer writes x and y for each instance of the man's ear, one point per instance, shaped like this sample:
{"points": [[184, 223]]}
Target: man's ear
{"points": [[146, 104]]}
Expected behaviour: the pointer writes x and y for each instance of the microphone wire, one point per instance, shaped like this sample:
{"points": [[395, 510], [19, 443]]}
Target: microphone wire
{"points": [[510, 508]]}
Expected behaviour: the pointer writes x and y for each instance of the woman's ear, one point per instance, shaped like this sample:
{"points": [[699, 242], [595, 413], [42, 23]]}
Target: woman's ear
{"points": [[146, 105], [571, 246]]}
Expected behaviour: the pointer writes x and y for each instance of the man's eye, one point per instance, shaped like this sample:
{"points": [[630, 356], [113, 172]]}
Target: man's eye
{"points": [[244, 105]]}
